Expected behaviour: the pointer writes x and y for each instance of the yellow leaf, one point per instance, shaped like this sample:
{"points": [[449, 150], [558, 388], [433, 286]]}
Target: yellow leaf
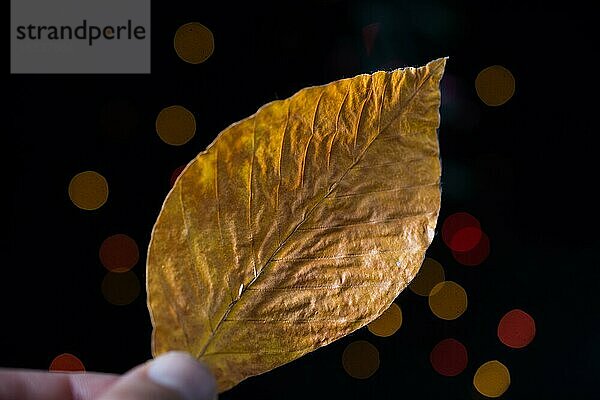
{"points": [[299, 224]]}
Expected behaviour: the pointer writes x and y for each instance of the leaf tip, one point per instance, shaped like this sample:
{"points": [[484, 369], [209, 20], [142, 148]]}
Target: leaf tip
{"points": [[436, 67]]}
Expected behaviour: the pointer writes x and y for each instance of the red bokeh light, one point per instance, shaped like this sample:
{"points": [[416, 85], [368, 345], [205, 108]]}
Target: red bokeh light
{"points": [[476, 255], [465, 239], [449, 357], [516, 329], [461, 231], [119, 253], [66, 362]]}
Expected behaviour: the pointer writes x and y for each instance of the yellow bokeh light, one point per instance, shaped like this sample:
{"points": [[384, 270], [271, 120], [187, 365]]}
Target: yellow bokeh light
{"points": [[492, 379], [175, 125], [430, 274], [194, 43], [495, 85], [120, 288], [448, 300], [388, 322], [88, 190], [360, 359]]}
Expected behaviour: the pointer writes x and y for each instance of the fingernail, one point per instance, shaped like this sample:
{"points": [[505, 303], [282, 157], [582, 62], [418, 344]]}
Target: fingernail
{"points": [[183, 374]]}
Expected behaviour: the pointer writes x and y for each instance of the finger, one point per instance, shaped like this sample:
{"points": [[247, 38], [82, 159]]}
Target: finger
{"points": [[25, 384], [171, 376]]}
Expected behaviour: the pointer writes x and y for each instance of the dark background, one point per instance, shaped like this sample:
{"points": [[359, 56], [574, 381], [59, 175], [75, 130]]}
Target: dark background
{"points": [[527, 170]]}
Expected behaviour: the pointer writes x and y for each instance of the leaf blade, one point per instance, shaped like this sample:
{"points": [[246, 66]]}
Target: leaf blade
{"points": [[288, 201]]}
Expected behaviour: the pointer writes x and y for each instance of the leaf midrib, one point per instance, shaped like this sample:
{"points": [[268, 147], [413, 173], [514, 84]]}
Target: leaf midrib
{"points": [[331, 189]]}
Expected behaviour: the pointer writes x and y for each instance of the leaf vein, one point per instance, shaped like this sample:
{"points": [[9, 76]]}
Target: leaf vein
{"points": [[333, 257], [360, 114], [285, 288], [415, 160], [287, 118], [386, 190], [221, 353], [377, 221], [295, 321], [250, 196], [337, 119], [217, 201], [312, 128]]}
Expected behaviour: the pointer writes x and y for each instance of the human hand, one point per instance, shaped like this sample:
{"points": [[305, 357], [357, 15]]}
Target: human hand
{"points": [[172, 376]]}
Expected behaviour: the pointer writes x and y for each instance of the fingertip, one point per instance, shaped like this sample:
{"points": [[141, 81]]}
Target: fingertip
{"points": [[182, 373]]}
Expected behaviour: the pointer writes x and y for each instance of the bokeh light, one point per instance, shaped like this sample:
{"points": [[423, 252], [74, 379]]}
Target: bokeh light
{"points": [[475, 256], [449, 357], [465, 239], [119, 253], [459, 229], [448, 300], [360, 359], [175, 174], [66, 362], [194, 43], [88, 190], [495, 85], [120, 288], [388, 322], [516, 329], [175, 125], [492, 379], [430, 274]]}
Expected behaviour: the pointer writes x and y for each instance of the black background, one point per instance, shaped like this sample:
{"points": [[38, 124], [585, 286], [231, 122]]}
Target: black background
{"points": [[527, 170]]}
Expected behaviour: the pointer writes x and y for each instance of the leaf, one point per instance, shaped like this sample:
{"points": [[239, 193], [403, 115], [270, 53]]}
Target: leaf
{"points": [[299, 224]]}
